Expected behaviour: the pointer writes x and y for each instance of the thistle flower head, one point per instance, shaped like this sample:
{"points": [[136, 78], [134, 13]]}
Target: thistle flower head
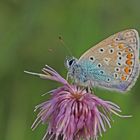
{"points": [[73, 113]]}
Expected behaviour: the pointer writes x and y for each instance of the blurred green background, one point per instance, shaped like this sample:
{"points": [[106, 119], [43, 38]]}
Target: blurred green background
{"points": [[29, 31]]}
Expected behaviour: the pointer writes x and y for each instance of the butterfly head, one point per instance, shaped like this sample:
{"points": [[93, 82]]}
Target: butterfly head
{"points": [[70, 61]]}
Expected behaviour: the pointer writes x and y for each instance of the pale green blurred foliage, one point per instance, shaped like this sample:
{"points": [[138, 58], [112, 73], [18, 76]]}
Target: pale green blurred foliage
{"points": [[29, 31]]}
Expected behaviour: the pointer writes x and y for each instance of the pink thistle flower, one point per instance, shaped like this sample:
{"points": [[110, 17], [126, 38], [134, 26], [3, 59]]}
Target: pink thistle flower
{"points": [[72, 113]]}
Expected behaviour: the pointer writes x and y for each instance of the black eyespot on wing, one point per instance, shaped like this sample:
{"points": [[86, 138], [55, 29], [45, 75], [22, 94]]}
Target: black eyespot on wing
{"points": [[102, 72], [91, 58], [108, 79], [115, 75], [118, 38], [101, 50], [120, 57], [111, 50], [119, 64], [99, 65], [119, 53], [117, 69]]}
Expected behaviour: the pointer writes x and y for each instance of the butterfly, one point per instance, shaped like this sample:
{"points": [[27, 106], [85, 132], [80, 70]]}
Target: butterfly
{"points": [[113, 63]]}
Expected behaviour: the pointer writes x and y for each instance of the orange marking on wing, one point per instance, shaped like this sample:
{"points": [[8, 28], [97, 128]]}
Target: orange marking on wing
{"points": [[129, 62], [127, 70], [123, 78], [121, 46], [113, 44], [127, 50], [129, 55]]}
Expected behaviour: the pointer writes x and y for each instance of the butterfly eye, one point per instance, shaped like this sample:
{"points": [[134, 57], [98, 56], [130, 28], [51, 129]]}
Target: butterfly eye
{"points": [[71, 61]]}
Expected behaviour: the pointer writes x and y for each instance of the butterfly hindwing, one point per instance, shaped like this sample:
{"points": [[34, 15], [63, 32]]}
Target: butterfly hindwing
{"points": [[118, 57]]}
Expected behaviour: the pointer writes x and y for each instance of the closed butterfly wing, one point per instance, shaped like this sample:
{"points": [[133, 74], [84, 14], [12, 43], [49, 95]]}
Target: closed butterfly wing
{"points": [[117, 57]]}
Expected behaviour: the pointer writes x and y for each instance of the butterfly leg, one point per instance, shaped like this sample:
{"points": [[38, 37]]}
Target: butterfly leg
{"points": [[67, 78], [88, 89]]}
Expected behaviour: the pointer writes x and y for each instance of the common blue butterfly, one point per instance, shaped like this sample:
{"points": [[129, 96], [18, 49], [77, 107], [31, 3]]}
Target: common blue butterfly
{"points": [[112, 63]]}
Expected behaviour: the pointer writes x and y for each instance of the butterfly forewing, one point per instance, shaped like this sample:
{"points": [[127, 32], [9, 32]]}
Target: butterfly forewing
{"points": [[118, 57]]}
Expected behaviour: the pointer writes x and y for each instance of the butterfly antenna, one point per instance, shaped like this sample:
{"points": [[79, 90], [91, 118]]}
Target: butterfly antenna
{"points": [[67, 48]]}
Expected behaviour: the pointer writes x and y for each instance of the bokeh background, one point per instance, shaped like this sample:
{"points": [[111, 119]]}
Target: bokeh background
{"points": [[29, 31]]}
